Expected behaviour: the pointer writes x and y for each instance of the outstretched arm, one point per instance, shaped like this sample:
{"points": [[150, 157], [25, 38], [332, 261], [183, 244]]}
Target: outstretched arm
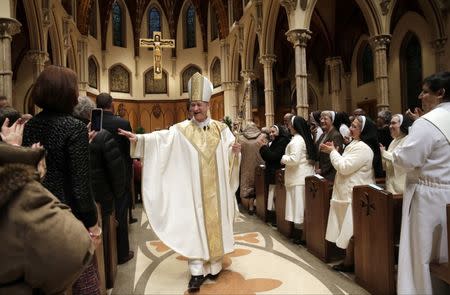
{"points": [[128, 134]]}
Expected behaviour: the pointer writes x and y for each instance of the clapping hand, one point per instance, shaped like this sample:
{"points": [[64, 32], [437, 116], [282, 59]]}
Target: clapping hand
{"points": [[12, 135], [327, 147], [418, 112]]}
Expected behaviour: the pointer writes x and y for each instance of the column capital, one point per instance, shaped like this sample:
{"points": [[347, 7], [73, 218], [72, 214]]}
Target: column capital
{"points": [[268, 59], [290, 5], [380, 41], [248, 75], [9, 27], [230, 85], [299, 37], [439, 44], [37, 56], [334, 60]]}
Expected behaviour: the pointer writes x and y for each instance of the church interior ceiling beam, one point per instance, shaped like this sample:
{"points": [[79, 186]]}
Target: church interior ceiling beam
{"points": [[222, 17], [105, 13], [83, 15]]}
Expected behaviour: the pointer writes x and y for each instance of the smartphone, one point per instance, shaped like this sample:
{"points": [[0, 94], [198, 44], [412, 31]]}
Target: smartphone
{"points": [[96, 119]]}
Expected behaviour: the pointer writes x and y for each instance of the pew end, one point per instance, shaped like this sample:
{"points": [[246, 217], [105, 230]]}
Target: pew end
{"points": [[442, 270], [261, 192]]}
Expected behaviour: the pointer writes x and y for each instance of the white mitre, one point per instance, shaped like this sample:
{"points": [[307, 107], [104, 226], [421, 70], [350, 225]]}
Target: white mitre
{"points": [[199, 88]]}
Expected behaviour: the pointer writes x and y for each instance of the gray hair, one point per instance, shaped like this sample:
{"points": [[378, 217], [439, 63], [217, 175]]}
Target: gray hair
{"points": [[385, 115], [84, 108]]}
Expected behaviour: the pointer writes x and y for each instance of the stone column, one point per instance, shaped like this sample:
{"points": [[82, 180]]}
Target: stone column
{"points": [[8, 28], [348, 92], [439, 49], [380, 43], [299, 38], [230, 98], [335, 66], [37, 59], [249, 76], [83, 75], [267, 61]]}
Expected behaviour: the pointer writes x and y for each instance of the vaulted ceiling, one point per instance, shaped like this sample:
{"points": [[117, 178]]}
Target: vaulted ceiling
{"points": [[171, 9]]}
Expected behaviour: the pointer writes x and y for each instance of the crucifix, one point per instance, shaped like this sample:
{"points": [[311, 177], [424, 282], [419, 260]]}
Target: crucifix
{"points": [[157, 43]]}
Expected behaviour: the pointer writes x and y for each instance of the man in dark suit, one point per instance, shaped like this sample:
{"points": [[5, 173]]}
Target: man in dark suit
{"points": [[112, 123]]}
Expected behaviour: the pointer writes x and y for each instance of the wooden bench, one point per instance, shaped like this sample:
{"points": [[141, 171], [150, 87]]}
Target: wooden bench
{"points": [[442, 270], [261, 192], [317, 206], [284, 227], [376, 231], [111, 252]]}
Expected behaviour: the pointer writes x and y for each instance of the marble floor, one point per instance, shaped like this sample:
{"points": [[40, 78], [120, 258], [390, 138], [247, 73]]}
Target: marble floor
{"points": [[264, 262]]}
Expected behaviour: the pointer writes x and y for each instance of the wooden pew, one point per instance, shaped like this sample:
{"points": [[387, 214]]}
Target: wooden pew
{"points": [[317, 206], [100, 255], [111, 252], [376, 229], [442, 270], [285, 227], [261, 192]]}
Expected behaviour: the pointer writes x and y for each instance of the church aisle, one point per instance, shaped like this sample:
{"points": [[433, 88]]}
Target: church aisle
{"points": [[264, 262]]}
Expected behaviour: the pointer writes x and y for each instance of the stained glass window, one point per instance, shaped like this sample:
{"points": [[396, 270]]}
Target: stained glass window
{"points": [[119, 79], [154, 21], [365, 67], [93, 76], [155, 86], [215, 72], [187, 74], [190, 27], [117, 24]]}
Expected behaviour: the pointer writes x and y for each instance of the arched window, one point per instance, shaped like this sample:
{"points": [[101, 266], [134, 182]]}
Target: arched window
{"points": [[187, 74], [153, 86], [365, 64], [189, 24], [93, 20], [93, 72], [118, 24], [154, 21], [67, 4], [215, 73], [119, 79], [214, 27], [411, 71]]}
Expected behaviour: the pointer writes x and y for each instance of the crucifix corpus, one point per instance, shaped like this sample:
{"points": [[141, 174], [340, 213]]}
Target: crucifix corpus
{"points": [[157, 43]]}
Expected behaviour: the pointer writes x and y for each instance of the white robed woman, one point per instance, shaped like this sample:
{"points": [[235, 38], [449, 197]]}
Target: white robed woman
{"points": [[190, 175], [299, 158], [425, 155], [354, 167], [395, 175]]}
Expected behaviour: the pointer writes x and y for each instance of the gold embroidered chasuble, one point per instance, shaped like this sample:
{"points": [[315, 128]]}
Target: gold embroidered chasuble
{"points": [[205, 141]]}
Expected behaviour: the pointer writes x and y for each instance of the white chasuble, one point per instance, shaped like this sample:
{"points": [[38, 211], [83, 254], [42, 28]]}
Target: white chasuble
{"points": [[188, 187]]}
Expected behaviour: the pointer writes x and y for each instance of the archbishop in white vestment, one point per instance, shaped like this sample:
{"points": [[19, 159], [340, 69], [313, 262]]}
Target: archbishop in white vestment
{"points": [[189, 178]]}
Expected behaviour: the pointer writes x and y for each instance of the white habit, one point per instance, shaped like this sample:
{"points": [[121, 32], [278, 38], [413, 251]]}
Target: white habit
{"points": [[425, 155], [353, 167], [395, 175], [297, 168], [188, 189]]}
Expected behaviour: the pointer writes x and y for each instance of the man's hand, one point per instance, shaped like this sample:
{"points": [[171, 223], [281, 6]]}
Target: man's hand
{"points": [[12, 135], [236, 148], [130, 135]]}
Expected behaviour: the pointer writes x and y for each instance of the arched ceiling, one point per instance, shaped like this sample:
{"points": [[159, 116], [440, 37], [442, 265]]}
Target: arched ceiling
{"points": [[171, 8]]}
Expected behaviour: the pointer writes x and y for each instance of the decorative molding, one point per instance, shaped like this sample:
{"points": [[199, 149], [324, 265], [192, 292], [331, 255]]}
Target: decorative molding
{"points": [[380, 42], [439, 44], [240, 36], [303, 4], [384, 5], [299, 37], [248, 75], [37, 57], [268, 59], [290, 5], [66, 32], [258, 15], [156, 111], [230, 85], [9, 27]]}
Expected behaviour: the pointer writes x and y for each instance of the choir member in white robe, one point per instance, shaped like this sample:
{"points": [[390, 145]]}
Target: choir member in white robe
{"points": [[425, 155], [190, 175], [395, 175], [353, 167]]}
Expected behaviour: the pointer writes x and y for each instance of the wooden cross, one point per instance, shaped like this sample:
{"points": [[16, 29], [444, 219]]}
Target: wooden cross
{"points": [[365, 203], [157, 43]]}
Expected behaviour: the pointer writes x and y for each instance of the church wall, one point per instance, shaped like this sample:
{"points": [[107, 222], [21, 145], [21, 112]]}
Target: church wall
{"points": [[95, 48], [410, 22], [5, 8], [22, 84]]}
